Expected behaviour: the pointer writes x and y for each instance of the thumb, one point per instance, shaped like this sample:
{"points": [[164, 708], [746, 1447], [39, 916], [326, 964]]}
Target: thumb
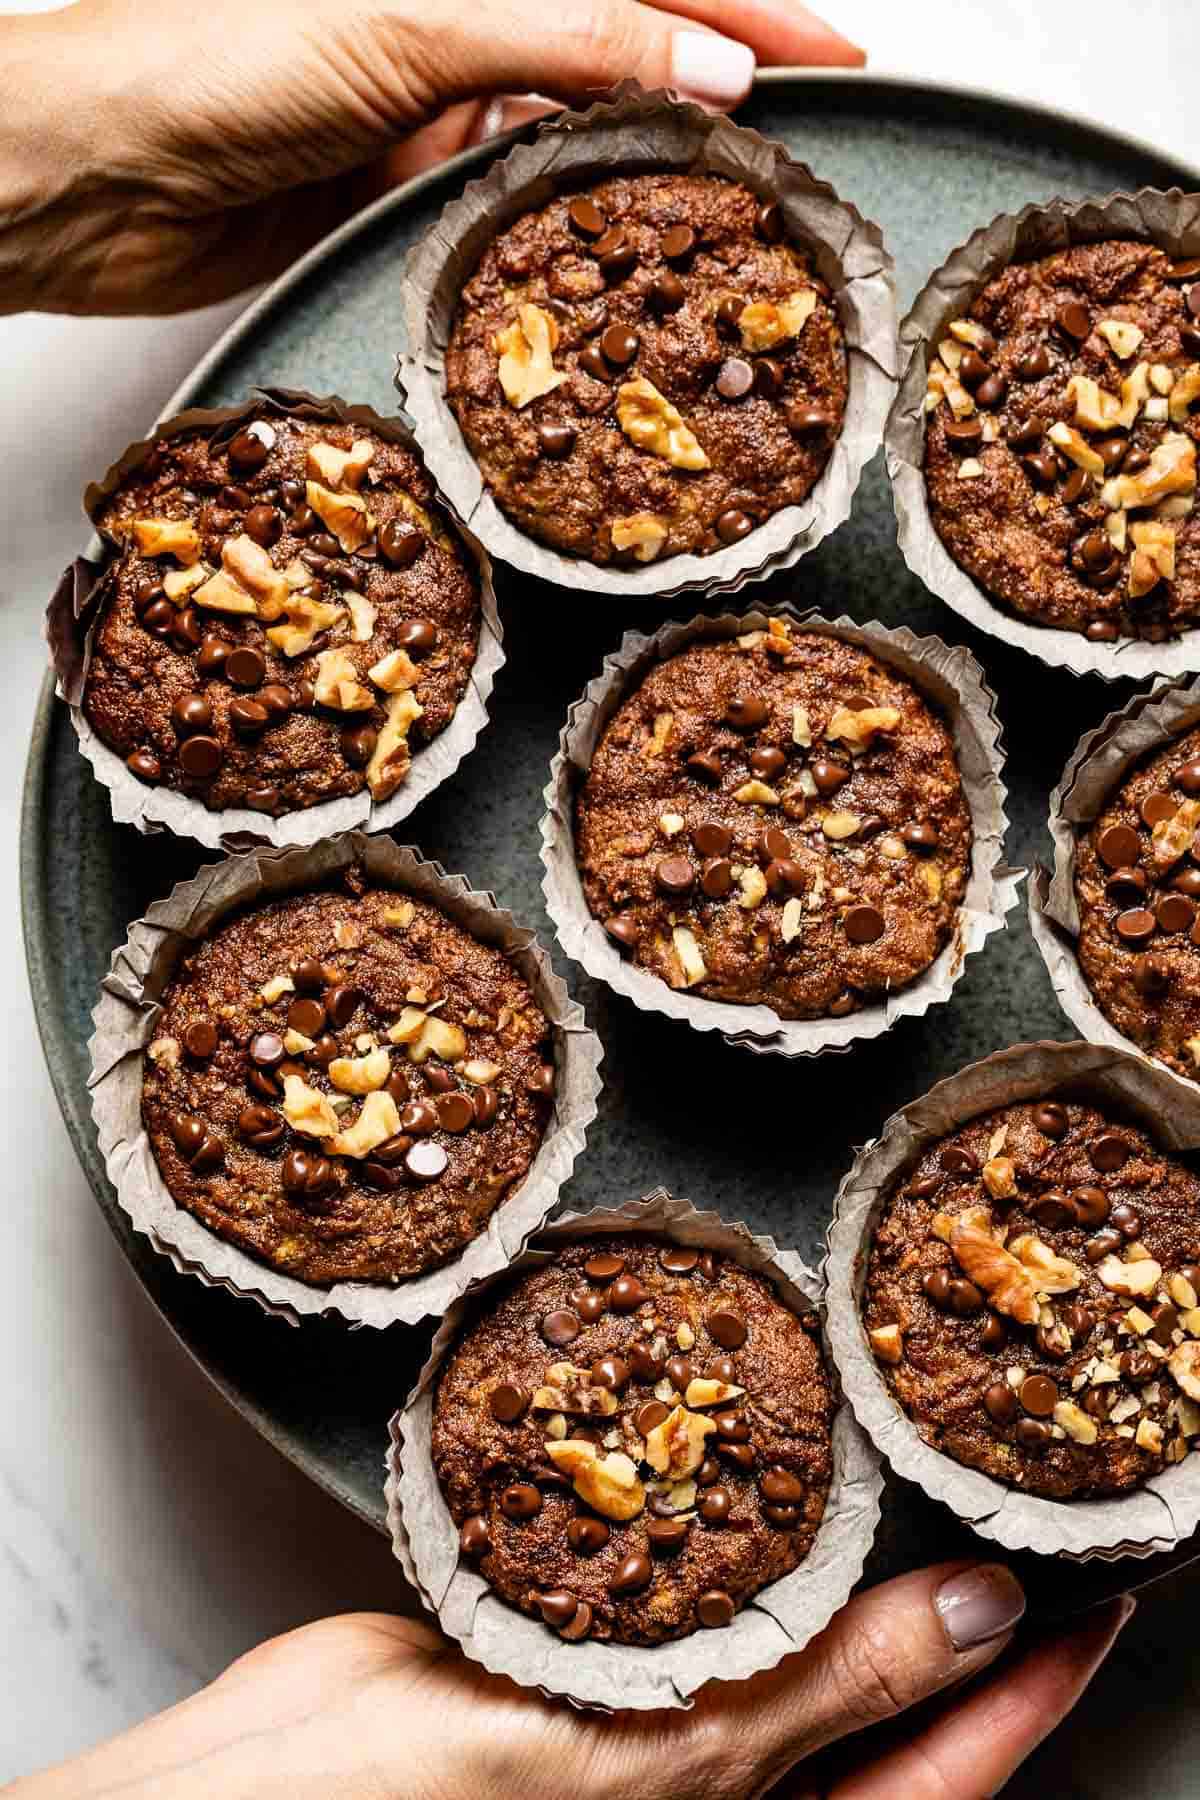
{"points": [[890, 1648]]}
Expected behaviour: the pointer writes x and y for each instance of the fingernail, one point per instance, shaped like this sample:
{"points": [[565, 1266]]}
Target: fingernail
{"points": [[979, 1604], [714, 70]]}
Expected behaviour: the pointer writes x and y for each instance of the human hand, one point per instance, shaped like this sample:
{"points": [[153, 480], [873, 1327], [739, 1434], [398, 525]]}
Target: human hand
{"points": [[369, 1707], [155, 158]]}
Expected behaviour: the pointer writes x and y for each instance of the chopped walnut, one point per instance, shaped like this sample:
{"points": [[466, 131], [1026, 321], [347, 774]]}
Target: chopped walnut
{"points": [[1052, 1274], [306, 1109], [859, 729], [1068, 440], [1000, 1177], [178, 583], [650, 421], [526, 349], [360, 1074], [165, 1052], [609, 1483], [687, 952], [756, 793], [1173, 837], [841, 825], [377, 1121], [337, 684], [392, 758], [571, 1390], [1123, 338], [1184, 394], [362, 616], [167, 537], [479, 1071], [887, 1343], [306, 620], [295, 1042], [1075, 1422], [792, 922], [705, 1391], [753, 884], [1153, 558], [335, 468], [1133, 1279], [659, 737], [676, 1447], [1184, 1367], [644, 533], [765, 323], [345, 515], [1171, 470], [276, 988], [1003, 1278]]}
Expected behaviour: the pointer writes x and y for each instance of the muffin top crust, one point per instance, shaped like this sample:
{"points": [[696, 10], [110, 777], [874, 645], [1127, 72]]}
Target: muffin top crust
{"points": [[1033, 1300], [778, 819], [1060, 445], [1137, 884], [647, 367], [634, 1438], [346, 1084], [289, 615]]}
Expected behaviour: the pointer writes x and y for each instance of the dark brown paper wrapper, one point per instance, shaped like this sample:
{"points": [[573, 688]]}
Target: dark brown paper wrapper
{"points": [[950, 677], [1171, 220], [636, 130], [128, 1013], [1163, 1511], [1098, 765], [78, 601], [782, 1618]]}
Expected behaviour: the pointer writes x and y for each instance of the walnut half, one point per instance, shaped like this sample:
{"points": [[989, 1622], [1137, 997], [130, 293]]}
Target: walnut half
{"points": [[650, 421], [526, 368]]}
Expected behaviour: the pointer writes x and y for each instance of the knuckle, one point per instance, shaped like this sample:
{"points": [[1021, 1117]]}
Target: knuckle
{"points": [[872, 1676], [608, 36]]}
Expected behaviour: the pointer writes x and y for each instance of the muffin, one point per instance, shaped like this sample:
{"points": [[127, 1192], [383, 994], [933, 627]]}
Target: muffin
{"points": [[634, 1438], [1060, 447], [288, 615], [1137, 887], [1032, 1300], [776, 819], [647, 367], [346, 1084]]}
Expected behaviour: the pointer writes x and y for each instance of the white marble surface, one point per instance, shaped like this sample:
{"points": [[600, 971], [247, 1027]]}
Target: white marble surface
{"points": [[133, 1566]]}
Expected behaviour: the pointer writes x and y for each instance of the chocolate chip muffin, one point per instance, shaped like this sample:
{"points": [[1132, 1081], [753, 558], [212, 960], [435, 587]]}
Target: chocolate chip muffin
{"points": [[647, 367], [776, 819], [634, 1439], [346, 1084], [1137, 886], [1060, 448], [1033, 1299], [289, 615]]}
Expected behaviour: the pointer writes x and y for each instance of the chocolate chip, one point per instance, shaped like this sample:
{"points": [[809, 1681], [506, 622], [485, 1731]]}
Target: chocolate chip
{"points": [[666, 294], [965, 1298], [716, 878], [418, 1118], [1188, 882], [674, 875], [712, 840], [772, 845], [804, 419], [732, 1427], [1052, 1210], [604, 1266], [248, 718], [1118, 846], [560, 1327], [266, 1049], [828, 776], [393, 1150], [735, 378], [340, 1003], [159, 618], [507, 1402], [768, 222], [733, 524], [610, 1372], [586, 217], [1043, 467], [185, 632], [623, 931], [303, 520], [972, 369], [1102, 1245], [715, 1507], [957, 1161], [201, 757], [277, 699], [619, 345], [1151, 976], [307, 1176], [729, 313], [473, 1539], [1039, 1396], [1073, 320], [144, 764], [187, 1134], [994, 1335], [784, 876], [1035, 363], [1108, 1153], [925, 1185], [251, 447], [1187, 776], [1000, 1403], [324, 1050], [264, 524], [708, 1472], [626, 1294], [705, 765], [542, 1082], [1174, 913], [520, 1502], [631, 1574], [768, 378], [456, 1111], [768, 763], [936, 1286], [714, 1609], [200, 1039], [1074, 487], [245, 667], [1189, 338], [587, 1536], [963, 434], [556, 440], [666, 1536], [1090, 1205], [426, 1161], [726, 1327], [649, 1416], [745, 712], [1023, 434], [1155, 808], [1126, 886], [1138, 1364], [743, 1456], [679, 1372], [190, 714], [616, 254], [592, 363], [1126, 1221], [400, 543], [1033, 1434], [863, 924]]}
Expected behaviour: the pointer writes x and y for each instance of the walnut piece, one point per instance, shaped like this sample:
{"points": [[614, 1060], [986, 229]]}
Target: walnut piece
{"points": [[360, 1074], [644, 533], [1006, 1282], [571, 1390], [887, 1343], [306, 620], [335, 468], [306, 1109], [362, 616], [1184, 394], [1154, 556], [178, 583], [765, 323], [165, 1052], [394, 672], [650, 421], [167, 537], [1068, 440], [426, 1035], [526, 368], [1075, 1422], [859, 729], [609, 1483], [377, 1121], [337, 684], [1133, 1279], [248, 582], [1171, 470], [346, 515], [1000, 1177], [1173, 837], [705, 1391], [1123, 338], [676, 1447], [392, 759], [1184, 1367], [692, 965], [1051, 1274]]}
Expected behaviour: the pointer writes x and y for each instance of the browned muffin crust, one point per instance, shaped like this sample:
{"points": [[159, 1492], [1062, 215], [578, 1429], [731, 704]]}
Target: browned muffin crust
{"points": [[1137, 884], [1032, 1299], [1073, 507], [776, 819], [634, 1439], [676, 281], [431, 1045], [238, 655]]}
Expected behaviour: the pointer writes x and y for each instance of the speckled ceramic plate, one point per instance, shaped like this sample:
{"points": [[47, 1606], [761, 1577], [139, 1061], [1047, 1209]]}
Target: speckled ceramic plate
{"points": [[758, 1138]]}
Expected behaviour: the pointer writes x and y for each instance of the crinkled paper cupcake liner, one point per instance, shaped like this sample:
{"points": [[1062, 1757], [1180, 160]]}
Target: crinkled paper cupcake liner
{"points": [[782, 1618], [1154, 1517], [1171, 220], [639, 131], [1098, 765], [78, 602], [128, 1013], [946, 675]]}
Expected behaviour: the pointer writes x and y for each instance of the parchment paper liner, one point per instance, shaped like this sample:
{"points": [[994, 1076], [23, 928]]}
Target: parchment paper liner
{"points": [[782, 1618], [1154, 1517], [1098, 765], [949, 676], [76, 605], [636, 130], [1171, 219], [126, 1019]]}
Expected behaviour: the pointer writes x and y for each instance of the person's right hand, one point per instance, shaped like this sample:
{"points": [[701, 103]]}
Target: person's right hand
{"points": [[370, 1707]]}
